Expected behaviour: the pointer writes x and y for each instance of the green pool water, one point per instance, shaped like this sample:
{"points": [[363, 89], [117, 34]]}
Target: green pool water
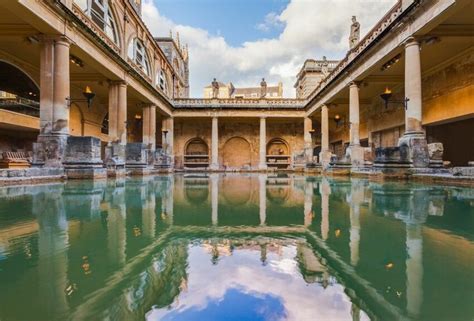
{"points": [[236, 247]]}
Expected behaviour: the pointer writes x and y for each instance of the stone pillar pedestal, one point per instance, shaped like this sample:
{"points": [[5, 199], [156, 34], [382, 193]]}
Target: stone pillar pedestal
{"points": [[136, 158], [325, 154], [82, 158], [262, 164], [115, 159], [215, 144]]}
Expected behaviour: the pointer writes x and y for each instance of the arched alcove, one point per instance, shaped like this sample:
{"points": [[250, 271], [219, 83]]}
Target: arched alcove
{"points": [[236, 153], [196, 153], [278, 153]]}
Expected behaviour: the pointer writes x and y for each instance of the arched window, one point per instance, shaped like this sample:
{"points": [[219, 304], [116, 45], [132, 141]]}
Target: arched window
{"points": [[101, 13], [161, 81], [137, 52]]}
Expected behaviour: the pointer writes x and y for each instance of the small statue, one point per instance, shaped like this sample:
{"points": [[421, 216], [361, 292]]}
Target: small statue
{"points": [[263, 88], [215, 88], [355, 33], [325, 67]]}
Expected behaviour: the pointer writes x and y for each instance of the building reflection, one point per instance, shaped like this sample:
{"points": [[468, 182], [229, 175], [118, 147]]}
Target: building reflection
{"points": [[132, 237]]}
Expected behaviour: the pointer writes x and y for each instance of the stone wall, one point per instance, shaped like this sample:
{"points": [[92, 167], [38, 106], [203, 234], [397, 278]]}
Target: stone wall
{"points": [[238, 138], [448, 93]]}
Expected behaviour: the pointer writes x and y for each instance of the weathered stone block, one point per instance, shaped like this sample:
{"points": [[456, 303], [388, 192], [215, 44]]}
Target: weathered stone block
{"points": [[49, 150], [82, 158], [136, 155], [435, 151], [417, 148], [391, 156], [83, 151], [463, 171]]}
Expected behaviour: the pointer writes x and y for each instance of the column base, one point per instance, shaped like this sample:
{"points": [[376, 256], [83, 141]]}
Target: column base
{"points": [[417, 149], [49, 150], [135, 156], [214, 167], [325, 158], [356, 155], [82, 158], [262, 167], [115, 159]]}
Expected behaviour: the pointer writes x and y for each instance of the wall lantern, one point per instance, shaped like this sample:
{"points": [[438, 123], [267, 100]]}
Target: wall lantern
{"points": [[387, 94], [88, 95], [337, 119]]}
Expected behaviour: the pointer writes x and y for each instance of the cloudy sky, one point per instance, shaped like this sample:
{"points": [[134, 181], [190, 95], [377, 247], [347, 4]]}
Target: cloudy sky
{"points": [[244, 40]]}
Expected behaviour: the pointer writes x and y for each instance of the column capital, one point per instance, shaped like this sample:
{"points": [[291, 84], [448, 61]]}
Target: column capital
{"points": [[354, 83], [117, 82], [55, 38], [411, 41]]}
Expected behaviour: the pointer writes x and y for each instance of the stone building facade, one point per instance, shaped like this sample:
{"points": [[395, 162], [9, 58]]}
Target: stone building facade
{"points": [[97, 94]]}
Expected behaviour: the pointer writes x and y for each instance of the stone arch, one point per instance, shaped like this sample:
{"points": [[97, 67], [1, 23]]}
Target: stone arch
{"points": [[196, 146], [278, 146], [236, 153], [15, 80], [25, 90], [76, 120]]}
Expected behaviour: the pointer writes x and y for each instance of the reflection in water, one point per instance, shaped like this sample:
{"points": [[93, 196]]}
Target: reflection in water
{"points": [[236, 247]]}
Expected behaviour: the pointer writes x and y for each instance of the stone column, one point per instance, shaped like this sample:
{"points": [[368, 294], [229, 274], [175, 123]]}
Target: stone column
{"points": [[215, 144], [308, 142], [354, 151], [168, 139], [46, 84], [413, 114], [262, 196], [61, 86], [149, 126], [122, 112], [214, 198], [414, 138], [325, 191], [325, 154], [115, 151], [54, 112], [262, 164]]}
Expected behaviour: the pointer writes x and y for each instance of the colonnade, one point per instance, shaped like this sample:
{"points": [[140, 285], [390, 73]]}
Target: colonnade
{"points": [[414, 134]]}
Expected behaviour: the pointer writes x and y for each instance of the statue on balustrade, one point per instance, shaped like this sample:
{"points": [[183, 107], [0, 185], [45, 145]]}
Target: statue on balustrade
{"points": [[263, 88], [355, 33], [325, 67], [215, 88]]}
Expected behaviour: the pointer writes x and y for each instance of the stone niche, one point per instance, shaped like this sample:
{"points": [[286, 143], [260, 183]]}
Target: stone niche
{"points": [[82, 158]]}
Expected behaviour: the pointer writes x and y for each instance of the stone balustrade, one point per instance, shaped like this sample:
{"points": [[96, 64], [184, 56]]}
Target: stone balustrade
{"points": [[202, 103]]}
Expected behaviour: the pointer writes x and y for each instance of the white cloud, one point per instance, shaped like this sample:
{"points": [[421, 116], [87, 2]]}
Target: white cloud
{"points": [[272, 20], [311, 29]]}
